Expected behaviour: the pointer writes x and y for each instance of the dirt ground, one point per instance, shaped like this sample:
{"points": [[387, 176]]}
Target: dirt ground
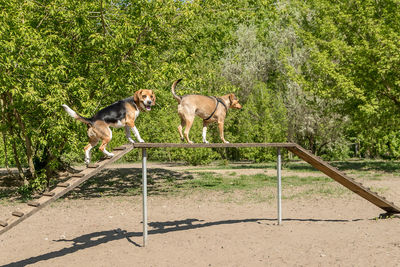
{"points": [[206, 229]]}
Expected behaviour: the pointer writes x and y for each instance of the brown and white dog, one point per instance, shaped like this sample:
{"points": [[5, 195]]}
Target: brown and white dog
{"points": [[120, 114], [210, 109]]}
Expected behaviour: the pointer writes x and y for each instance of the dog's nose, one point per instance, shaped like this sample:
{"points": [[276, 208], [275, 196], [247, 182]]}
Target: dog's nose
{"points": [[149, 102]]}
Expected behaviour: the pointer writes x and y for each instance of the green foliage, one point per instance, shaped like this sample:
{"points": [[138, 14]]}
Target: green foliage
{"points": [[355, 53], [321, 73]]}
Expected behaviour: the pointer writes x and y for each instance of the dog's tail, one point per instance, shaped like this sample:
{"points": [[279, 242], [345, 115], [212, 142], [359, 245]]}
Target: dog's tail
{"points": [[76, 116], [177, 97]]}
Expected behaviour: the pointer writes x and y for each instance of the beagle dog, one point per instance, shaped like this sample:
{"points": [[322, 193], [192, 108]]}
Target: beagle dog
{"points": [[210, 109], [120, 114]]}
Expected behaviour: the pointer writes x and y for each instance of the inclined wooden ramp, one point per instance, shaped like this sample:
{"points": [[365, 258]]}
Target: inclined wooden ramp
{"points": [[344, 180], [61, 189]]}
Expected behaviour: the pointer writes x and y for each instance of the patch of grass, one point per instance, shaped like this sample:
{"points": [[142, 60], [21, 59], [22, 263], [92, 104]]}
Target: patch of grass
{"points": [[305, 180], [299, 167], [321, 190], [368, 175], [260, 187], [212, 181], [236, 166], [379, 190], [259, 197]]}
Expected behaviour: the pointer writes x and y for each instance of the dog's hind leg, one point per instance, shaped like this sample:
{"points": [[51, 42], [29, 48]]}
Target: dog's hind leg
{"points": [[187, 118], [93, 140], [180, 127], [106, 138], [187, 129], [87, 149]]}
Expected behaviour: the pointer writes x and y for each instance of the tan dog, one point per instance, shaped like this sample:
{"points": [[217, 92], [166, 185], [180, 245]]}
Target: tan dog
{"points": [[120, 114], [210, 109]]}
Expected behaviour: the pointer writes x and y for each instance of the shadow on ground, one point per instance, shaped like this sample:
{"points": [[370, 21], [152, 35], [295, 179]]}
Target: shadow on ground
{"points": [[98, 238], [128, 182]]}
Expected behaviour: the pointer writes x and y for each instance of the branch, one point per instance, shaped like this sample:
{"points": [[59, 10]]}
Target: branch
{"points": [[41, 21], [388, 93], [103, 22], [127, 54]]}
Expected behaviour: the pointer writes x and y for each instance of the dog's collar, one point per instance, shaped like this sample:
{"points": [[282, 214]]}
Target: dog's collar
{"points": [[219, 100]]}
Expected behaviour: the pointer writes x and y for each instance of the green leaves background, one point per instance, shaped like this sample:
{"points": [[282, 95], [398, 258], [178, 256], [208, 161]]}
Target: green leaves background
{"points": [[324, 74]]}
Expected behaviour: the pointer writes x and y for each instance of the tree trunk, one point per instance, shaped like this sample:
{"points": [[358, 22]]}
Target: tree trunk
{"points": [[28, 145], [4, 135], [13, 145]]}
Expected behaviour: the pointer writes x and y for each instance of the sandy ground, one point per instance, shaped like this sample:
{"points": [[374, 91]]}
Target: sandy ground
{"points": [[206, 229]]}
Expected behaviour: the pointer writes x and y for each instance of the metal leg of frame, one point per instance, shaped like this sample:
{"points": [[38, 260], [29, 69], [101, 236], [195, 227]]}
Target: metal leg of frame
{"points": [[144, 184], [278, 167]]}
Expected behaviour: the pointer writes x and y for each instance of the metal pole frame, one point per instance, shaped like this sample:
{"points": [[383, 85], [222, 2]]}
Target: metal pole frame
{"points": [[279, 186], [144, 186]]}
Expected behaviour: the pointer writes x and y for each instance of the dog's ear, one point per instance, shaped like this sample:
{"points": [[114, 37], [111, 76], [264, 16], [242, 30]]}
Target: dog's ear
{"points": [[137, 95], [154, 98], [232, 97]]}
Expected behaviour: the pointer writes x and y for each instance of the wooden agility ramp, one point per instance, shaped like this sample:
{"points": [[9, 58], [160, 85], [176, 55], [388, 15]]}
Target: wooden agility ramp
{"points": [[60, 190], [92, 169], [344, 180]]}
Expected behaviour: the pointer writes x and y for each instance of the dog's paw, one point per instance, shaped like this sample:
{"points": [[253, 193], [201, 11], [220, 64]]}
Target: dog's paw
{"points": [[130, 140], [141, 141], [226, 142], [190, 142], [108, 155], [87, 161], [205, 142]]}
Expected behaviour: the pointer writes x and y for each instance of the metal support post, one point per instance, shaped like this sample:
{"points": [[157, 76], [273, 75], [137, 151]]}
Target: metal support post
{"points": [[144, 184], [278, 167]]}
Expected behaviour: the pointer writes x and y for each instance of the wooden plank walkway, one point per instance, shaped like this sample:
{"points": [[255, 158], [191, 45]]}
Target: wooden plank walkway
{"points": [[217, 145]]}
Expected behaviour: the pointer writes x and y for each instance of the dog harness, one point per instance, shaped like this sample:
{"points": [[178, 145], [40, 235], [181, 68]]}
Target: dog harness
{"points": [[219, 100], [133, 102], [135, 105]]}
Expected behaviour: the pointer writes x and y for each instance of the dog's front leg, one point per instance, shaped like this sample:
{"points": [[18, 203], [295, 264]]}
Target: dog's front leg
{"points": [[137, 135], [205, 133], [128, 134], [221, 132]]}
